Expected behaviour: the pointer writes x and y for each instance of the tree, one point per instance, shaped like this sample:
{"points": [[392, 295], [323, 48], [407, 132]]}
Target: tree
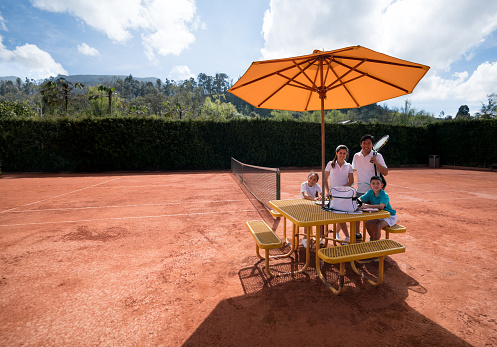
{"points": [[57, 92], [109, 91], [463, 112], [220, 83], [217, 109], [11, 109], [130, 88], [282, 115], [205, 82], [490, 110]]}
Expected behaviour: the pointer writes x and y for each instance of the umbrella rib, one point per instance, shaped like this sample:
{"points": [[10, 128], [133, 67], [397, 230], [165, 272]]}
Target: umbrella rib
{"points": [[262, 77], [290, 80], [413, 65], [310, 94], [303, 71], [341, 83], [278, 72], [365, 74], [339, 79], [303, 86], [298, 84]]}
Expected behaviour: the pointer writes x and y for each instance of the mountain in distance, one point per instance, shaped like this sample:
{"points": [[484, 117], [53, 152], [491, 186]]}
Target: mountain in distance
{"points": [[88, 80], [9, 78]]}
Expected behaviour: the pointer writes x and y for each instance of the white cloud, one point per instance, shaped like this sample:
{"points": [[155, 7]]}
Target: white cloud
{"points": [[435, 33], [2, 24], [180, 73], [87, 50], [166, 26], [463, 88], [28, 57]]}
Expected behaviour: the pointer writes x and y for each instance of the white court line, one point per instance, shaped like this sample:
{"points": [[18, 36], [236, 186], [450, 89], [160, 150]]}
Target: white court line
{"points": [[437, 191], [124, 206], [146, 186], [58, 196], [122, 218]]}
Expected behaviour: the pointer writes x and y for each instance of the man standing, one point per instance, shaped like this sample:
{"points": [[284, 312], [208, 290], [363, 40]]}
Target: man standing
{"points": [[364, 162]]}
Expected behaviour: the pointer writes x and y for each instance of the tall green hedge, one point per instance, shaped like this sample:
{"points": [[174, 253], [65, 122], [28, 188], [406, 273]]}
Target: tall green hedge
{"points": [[107, 144], [466, 143]]}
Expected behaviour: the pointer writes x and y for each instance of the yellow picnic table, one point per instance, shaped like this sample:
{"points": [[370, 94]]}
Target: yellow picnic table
{"points": [[306, 213]]}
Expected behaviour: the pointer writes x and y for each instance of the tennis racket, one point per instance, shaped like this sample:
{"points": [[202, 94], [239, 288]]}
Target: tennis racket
{"points": [[377, 146], [380, 143]]}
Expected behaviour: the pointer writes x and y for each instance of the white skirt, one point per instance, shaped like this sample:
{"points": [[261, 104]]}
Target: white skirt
{"points": [[392, 220]]}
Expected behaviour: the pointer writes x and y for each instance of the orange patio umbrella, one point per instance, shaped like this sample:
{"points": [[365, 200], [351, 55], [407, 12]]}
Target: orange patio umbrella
{"points": [[344, 78]]}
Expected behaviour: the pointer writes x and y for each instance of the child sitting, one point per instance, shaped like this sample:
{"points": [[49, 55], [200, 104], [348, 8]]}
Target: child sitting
{"points": [[310, 189], [376, 197]]}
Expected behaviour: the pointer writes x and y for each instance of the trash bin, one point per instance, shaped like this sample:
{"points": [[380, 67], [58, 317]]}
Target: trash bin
{"points": [[434, 161]]}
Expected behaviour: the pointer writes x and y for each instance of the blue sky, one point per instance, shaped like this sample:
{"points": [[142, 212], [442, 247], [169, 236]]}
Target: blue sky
{"points": [[178, 39]]}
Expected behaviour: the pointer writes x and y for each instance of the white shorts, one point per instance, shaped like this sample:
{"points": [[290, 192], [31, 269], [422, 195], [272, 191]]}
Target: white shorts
{"points": [[390, 220]]}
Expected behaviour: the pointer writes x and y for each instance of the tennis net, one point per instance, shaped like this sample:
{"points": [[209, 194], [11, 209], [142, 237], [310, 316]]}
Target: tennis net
{"points": [[262, 182]]}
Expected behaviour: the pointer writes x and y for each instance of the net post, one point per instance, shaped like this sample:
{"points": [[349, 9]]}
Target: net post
{"points": [[278, 191]]}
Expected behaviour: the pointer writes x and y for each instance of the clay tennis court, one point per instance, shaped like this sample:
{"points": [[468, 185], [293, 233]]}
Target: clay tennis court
{"points": [[139, 259]]}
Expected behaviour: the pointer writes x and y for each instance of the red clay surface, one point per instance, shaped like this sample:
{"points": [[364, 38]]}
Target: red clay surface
{"points": [[166, 259]]}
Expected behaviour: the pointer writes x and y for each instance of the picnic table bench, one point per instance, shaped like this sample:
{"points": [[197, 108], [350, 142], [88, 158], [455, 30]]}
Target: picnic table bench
{"points": [[265, 238], [394, 229], [359, 251]]}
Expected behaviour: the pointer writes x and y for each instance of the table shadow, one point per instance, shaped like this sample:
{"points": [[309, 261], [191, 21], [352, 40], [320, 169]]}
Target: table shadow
{"points": [[301, 310]]}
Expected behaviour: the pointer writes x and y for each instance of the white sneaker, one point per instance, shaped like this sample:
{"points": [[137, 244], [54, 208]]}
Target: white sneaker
{"points": [[338, 236], [322, 242], [347, 239], [304, 243]]}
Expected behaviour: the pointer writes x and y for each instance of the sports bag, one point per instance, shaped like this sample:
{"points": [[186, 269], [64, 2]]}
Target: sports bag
{"points": [[343, 199]]}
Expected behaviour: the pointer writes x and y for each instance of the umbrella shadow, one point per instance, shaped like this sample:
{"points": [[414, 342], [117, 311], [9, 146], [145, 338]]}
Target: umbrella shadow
{"points": [[300, 310]]}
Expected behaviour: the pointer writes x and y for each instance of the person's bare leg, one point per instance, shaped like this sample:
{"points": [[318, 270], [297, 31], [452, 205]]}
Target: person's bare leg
{"points": [[371, 227], [344, 228], [378, 226]]}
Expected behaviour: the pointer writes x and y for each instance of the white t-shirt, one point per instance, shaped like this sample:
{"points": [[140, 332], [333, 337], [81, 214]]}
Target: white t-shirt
{"points": [[311, 191], [339, 176], [365, 169]]}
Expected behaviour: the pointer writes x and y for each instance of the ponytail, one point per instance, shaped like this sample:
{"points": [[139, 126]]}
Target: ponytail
{"points": [[334, 161]]}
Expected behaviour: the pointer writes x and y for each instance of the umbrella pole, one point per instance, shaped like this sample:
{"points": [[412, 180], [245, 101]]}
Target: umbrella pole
{"points": [[323, 164], [322, 96]]}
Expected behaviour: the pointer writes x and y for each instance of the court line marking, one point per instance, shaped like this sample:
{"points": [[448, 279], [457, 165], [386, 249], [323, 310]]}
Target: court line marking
{"points": [[124, 206], [123, 218], [58, 196]]}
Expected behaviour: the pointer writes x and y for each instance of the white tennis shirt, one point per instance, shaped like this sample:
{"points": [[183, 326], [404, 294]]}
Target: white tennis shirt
{"points": [[365, 169], [311, 191], [339, 175]]}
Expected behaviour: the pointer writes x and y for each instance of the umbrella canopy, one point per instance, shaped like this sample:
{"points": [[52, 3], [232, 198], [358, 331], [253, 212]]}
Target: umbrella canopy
{"points": [[344, 78]]}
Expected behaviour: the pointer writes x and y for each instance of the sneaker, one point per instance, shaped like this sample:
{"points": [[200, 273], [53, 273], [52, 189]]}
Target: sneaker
{"points": [[304, 243], [347, 239], [358, 236], [322, 242], [338, 236]]}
